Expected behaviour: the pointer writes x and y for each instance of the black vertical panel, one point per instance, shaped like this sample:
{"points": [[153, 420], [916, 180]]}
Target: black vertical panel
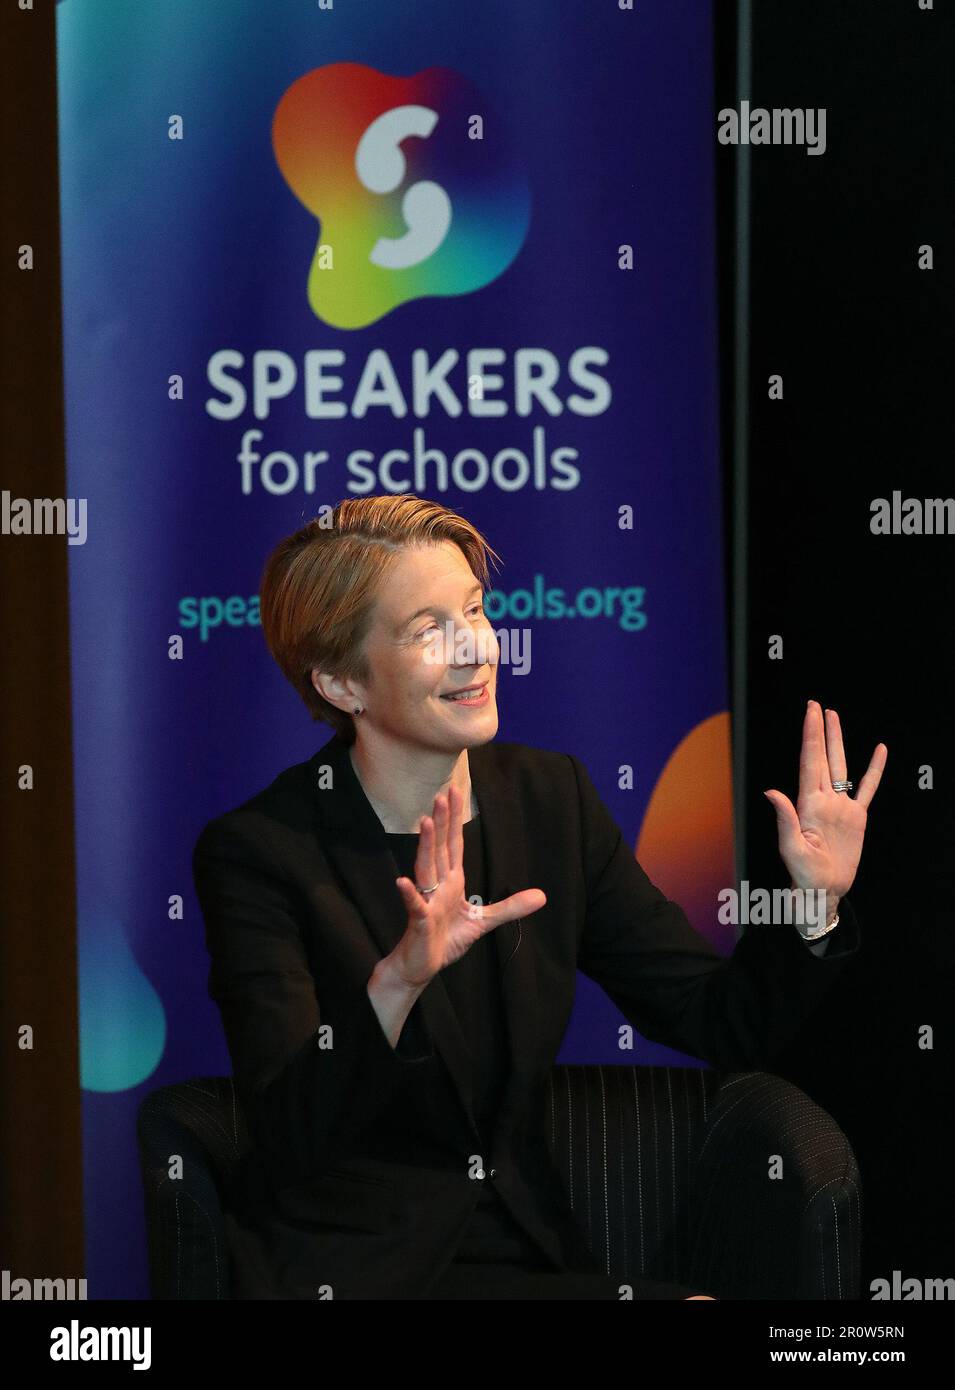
{"points": [[41, 1224], [864, 342]]}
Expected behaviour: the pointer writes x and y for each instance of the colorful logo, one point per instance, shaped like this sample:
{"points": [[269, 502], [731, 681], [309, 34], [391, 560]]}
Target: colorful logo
{"points": [[413, 183]]}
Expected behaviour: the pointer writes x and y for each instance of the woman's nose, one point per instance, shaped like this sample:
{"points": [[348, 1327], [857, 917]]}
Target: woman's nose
{"points": [[465, 647]]}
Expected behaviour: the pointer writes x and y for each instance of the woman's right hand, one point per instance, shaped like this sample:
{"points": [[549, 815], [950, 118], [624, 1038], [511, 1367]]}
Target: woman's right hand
{"points": [[443, 925]]}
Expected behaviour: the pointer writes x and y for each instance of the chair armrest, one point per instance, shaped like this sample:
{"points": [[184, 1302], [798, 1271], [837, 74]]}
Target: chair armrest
{"points": [[776, 1200], [189, 1135]]}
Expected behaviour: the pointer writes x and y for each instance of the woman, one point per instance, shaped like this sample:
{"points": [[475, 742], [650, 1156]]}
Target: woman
{"points": [[391, 1033]]}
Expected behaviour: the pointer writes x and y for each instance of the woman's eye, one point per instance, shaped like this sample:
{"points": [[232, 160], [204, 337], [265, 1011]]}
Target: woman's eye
{"points": [[477, 608]]}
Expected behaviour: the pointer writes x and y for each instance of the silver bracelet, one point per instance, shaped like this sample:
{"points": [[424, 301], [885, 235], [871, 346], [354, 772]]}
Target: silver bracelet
{"points": [[817, 936]]}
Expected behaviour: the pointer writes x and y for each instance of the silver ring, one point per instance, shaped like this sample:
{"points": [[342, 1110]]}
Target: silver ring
{"points": [[428, 890], [842, 786]]}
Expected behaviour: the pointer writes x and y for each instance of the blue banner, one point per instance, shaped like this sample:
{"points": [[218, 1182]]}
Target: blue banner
{"points": [[327, 250]]}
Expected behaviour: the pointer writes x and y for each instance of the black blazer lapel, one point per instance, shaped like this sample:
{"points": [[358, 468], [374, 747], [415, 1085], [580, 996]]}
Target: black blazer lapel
{"points": [[355, 842]]}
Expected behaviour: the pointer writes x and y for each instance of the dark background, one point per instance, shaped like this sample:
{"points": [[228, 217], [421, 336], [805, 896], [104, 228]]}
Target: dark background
{"points": [[863, 341]]}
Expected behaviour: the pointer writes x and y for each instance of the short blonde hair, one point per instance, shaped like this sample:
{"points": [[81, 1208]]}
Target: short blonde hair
{"points": [[319, 586]]}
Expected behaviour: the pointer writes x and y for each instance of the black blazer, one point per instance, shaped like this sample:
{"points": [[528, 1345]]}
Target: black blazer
{"points": [[298, 894]]}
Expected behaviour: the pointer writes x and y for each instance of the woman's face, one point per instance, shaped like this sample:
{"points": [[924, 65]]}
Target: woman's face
{"points": [[429, 637]]}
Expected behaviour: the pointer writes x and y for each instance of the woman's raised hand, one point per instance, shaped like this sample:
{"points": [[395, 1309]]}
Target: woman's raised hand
{"points": [[820, 838], [443, 925]]}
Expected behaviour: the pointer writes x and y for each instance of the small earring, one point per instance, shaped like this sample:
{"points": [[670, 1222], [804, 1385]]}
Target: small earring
{"points": [[358, 709]]}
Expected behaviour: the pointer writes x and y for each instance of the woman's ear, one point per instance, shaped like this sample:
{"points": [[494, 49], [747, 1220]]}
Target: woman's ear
{"points": [[343, 694]]}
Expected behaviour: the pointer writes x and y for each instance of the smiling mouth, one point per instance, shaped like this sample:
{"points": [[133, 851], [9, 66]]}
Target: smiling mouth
{"points": [[468, 698]]}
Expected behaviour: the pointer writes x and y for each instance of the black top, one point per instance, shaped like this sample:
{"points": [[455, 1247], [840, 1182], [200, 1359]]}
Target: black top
{"points": [[473, 983], [474, 986]]}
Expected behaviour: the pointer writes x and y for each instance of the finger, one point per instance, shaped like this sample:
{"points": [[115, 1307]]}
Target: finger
{"points": [[455, 830], [787, 820], [834, 748], [812, 755], [522, 904], [415, 905], [441, 819], [424, 866], [873, 775]]}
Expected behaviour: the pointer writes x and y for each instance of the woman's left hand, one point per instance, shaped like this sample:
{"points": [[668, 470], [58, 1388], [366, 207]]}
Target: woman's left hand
{"points": [[820, 838]]}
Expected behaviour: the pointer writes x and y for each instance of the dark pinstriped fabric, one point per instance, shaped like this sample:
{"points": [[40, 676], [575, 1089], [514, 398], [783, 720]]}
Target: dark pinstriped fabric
{"points": [[666, 1168], [738, 1184]]}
